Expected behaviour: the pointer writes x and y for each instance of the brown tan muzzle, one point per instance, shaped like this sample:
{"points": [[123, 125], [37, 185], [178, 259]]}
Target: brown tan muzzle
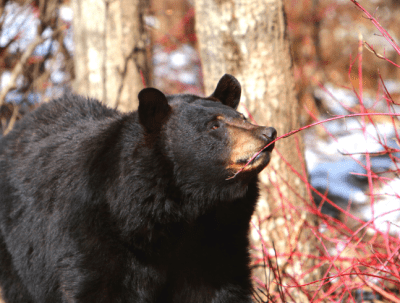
{"points": [[246, 140]]}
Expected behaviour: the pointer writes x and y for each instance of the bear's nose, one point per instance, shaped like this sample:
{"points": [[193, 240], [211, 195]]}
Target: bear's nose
{"points": [[269, 133]]}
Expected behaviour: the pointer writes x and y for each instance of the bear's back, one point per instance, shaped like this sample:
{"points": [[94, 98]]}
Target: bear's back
{"points": [[59, 119], [65, 113]]}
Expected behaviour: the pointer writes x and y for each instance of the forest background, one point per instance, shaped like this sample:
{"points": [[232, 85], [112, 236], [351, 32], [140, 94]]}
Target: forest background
{"points": [[327, 228]]}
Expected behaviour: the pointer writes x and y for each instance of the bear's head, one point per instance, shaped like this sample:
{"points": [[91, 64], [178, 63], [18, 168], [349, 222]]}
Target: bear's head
{"points": [[205, 139]]}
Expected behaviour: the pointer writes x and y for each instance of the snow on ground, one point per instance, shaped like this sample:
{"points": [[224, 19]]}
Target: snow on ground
{"points": [[385, 209], [338, 163]]}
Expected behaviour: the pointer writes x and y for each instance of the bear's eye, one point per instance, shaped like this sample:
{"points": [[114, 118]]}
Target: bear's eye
{"points": [[215, 125]]}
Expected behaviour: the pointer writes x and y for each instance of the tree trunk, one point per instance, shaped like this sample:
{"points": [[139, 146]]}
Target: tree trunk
{"points": [[248, 40], [110, 52]]}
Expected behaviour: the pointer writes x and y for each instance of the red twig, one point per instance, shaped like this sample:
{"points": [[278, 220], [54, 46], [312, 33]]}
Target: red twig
{"points": [[142, 77], [308, 126]]}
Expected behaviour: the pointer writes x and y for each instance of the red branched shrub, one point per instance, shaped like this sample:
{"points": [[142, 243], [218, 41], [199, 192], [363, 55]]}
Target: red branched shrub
{"points": [[359, 259]]}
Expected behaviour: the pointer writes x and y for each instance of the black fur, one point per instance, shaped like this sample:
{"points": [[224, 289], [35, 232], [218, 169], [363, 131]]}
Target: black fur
{"points": [[99, 206]]}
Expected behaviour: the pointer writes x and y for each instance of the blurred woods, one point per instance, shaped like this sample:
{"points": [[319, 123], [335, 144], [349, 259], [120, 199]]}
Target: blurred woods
{"points": [[330, 206]]}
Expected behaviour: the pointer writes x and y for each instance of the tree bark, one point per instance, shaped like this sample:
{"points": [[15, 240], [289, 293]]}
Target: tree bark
{"points": [[248, 40], [110, 52]]}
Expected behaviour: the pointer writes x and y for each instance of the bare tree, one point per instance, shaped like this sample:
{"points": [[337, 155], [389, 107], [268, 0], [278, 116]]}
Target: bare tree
{"points": [[33, 48], [110, 50], [248, 39]]}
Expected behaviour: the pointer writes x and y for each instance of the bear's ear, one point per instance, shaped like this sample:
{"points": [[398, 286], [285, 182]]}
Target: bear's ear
{"points": [[228, 91], [153, 108]]}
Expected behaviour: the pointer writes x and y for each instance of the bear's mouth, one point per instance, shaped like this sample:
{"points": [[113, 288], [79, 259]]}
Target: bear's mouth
{"points": [[265, 153], [252, 159], [249, 165]]}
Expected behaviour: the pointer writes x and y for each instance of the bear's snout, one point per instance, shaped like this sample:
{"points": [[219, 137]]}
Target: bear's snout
{"points": [[268, 134], [246, 142]]}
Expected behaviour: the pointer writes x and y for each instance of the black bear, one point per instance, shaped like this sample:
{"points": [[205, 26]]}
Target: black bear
{"points": [[101, 206]]}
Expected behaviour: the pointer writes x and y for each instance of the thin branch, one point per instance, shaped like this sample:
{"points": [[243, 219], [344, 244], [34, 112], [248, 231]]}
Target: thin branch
{"points": [[18, 69], [12, 120], [371, 49], [12, 84], [379, 27]]}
